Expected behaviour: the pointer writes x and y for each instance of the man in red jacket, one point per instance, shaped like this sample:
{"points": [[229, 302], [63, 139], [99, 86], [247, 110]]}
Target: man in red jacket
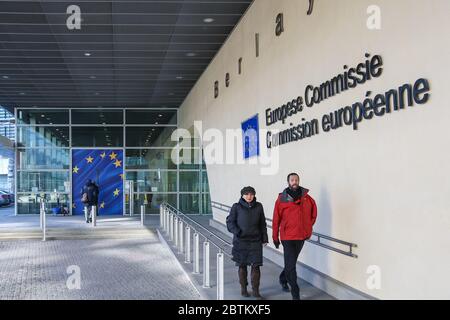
{"points": [[294, 215]]}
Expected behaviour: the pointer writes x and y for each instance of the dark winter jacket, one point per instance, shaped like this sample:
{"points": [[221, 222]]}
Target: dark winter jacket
{"points": [[247, 222], [92, 191], [293, 219]]}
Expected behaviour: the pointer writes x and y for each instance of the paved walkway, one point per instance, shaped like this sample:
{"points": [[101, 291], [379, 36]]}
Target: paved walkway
{"points": [[109, 269]]}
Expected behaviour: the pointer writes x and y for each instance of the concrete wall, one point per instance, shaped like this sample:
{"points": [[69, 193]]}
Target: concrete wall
{"points": [[385, 186]]}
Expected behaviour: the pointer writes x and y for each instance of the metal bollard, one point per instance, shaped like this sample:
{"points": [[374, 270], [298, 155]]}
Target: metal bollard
{"points": [[44, 224], [171, 226], [94, 216], [142, 215], [206, 279], [181, 237], [187, 258], [41, 209], [220, 279], [166, 215], [175, 231], [86, 216], [196, 253], [161, 217]]}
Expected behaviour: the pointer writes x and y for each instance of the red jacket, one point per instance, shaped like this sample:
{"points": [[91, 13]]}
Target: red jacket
{"points": [[294, 220]]}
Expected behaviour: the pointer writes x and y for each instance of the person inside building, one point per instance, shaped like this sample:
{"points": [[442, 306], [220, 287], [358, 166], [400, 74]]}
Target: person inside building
{"points": [[247, 223], [294, 215]]}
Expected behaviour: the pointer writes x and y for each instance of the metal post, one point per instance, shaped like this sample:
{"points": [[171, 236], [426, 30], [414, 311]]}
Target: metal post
{"points": [[171, 226], [142, 215], [166, 215], [181, 236], [175, 231], [86, 213], [196, 253], [188, 245], [206, 280], [220, 279], [161, 216], [41, 209], [44, 223], [94, 216]]}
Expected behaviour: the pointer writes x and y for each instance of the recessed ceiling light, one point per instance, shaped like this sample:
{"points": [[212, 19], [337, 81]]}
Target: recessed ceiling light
{"points": [[93, 77], [208, 20], [5, 77], [179, 77], [22, 93], [97, 93], [160, 115], [42, 115], [191, 54], [87, 54], [156, 122]]}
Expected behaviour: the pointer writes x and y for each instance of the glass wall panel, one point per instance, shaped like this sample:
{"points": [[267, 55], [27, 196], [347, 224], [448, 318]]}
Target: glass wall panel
{"points": [[151, 117], [149, 137], [29, 203], [44, 181], [189, 181], [43, 159], [153, 181], [97, 116], [97, 136], [190, 203], [206, 204], [42, 116], [149, 159], [45, 137], [190, 159], [153, 202]]}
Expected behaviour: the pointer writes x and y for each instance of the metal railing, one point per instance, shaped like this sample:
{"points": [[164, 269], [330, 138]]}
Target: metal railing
{"points": [[179, 228], [316, 241]]}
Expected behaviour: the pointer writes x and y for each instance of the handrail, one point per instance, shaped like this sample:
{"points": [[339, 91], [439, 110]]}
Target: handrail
{"points": [[319, 236], [198, 225]]}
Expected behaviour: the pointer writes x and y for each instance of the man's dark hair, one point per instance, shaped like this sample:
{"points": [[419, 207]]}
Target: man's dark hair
{"points": [[292, 174], [247, 190]]}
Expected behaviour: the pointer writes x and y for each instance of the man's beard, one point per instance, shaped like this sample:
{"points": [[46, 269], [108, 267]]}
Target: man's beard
{"points": [[294, 186]]}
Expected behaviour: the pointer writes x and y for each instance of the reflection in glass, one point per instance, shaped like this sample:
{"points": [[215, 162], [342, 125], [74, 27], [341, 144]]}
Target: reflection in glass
{"points": [[153, 202], [149, 137], [29, 203], [153, 181], [189, 181], [42, 116], [190, 203], [46, 137], [42, 158], [97, 116], [97, 136], [151, 117], [149, 159], [44, 181]]}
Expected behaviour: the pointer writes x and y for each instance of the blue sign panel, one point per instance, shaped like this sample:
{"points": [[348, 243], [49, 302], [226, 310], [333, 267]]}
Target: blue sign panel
{"points": [[250, 137], [103, 167]]}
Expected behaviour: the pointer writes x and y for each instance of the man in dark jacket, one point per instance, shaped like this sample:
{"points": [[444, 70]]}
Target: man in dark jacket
{"points": [[248, 225], [89, 193], [294, 215]]}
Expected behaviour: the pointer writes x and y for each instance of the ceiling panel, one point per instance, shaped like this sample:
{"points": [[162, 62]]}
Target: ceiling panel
{"points": [[142, 53]]}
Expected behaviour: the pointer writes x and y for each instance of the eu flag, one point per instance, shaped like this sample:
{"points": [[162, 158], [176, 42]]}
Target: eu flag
{"points": [[103, 167]]}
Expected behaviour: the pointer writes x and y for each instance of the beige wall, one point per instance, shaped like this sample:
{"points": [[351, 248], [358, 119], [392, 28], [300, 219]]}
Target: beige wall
{"points": [[385, 186]]}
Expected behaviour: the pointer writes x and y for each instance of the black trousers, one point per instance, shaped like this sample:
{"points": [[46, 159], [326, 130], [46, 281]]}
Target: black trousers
{"points": [[292, 249]]}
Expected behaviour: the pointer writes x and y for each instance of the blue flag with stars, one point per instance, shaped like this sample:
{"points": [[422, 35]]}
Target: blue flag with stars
{"points": [[103, 167], [250, 137]]}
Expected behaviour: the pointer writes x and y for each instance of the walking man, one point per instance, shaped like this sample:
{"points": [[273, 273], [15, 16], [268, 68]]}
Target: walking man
{"points": [[294, 215]]}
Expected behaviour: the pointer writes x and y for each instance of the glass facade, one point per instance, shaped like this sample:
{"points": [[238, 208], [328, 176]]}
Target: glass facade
{"points": [[152, 172]]}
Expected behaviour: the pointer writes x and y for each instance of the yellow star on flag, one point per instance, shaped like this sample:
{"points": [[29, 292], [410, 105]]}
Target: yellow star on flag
{"points": [[75, 169], [89, 159], [113, 155], [102, 205], [103, 155], [116, 192], [121, 176], [117, 163], [73, 205]]}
